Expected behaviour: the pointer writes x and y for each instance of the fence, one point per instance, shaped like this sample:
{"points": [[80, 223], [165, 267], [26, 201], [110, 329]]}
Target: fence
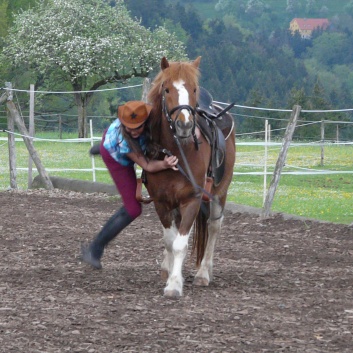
{"points": [[266, 144]]}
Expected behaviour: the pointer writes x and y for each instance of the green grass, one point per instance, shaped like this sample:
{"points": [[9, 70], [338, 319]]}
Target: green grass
{"points": [[324, 197]]}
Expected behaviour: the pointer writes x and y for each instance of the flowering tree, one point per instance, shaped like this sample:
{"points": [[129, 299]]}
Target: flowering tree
{"points": [[90, 42]]}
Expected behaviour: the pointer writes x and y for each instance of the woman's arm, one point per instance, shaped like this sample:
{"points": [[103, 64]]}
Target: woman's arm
{"points": [[154, 165]]}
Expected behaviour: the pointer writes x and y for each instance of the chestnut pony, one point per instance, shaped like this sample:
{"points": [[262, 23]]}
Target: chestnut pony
{"points": [[177, 195]]}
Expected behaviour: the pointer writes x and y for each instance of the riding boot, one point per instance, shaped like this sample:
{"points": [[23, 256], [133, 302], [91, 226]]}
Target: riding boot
{"points": [[93, 252]]}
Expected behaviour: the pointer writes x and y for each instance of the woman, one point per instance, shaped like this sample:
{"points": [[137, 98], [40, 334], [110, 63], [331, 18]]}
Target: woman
{"points": [[123, 145]]}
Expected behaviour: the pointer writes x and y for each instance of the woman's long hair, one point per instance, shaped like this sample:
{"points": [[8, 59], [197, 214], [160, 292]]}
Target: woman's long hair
{"points": [[133, 143]]}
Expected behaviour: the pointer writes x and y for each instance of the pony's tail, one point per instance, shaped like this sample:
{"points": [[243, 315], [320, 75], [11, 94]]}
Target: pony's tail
{"points": [[201, 232]]}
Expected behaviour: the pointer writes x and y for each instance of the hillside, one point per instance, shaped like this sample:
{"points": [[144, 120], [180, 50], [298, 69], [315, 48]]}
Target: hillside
{"points": [[321, 8], [249, 56]]}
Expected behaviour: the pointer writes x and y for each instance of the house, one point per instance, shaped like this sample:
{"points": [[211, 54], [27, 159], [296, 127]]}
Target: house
{"points": [[305, 26]]}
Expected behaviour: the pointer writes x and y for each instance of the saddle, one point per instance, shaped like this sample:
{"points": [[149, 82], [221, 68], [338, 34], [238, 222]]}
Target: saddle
{"points": [[214, 126]]}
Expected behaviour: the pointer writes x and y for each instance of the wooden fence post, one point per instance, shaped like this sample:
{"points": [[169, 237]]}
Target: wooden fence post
{"points": [[322, 129], [92, 156], [60, 128], [280, 161], [31, 131], [28, 141], [11, 139], [12, 152], [265, 163]]}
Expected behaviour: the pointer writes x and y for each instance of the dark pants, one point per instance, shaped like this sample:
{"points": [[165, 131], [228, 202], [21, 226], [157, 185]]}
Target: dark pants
{"points": [[125, 181]]}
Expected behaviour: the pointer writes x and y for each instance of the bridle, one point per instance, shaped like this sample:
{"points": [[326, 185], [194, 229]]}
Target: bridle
{"points": [[187, 173], [168, 114]]}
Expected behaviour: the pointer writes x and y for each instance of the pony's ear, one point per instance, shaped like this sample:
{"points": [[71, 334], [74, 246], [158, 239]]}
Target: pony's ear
{"points": [[196, 62], [164, 63]]}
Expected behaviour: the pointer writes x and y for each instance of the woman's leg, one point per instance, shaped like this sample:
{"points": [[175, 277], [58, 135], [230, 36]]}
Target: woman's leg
{"points": [[125, 181]]}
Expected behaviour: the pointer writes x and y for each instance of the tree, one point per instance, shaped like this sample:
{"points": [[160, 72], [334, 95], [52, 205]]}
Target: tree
{"points": [[330, 48], [349, 8], [255, 7], [149, 13], [7, 10], [3, 19], [90, 43]]}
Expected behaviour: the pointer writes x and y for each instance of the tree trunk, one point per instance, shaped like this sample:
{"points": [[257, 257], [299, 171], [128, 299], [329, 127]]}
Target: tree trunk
{"points": [[81, 114], [82, 101]]}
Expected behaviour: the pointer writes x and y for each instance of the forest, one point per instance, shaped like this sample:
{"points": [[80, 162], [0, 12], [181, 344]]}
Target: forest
{"points": [[249, 56]]}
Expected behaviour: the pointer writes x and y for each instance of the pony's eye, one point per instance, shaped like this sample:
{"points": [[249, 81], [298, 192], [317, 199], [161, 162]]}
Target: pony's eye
{"points": [[194, 90], [167, 90]]}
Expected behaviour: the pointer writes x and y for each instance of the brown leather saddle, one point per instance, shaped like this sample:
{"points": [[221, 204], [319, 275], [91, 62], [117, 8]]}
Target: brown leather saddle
{"points": [[215, 126]]}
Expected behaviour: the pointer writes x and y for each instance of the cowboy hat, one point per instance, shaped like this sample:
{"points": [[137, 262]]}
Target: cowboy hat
{"points": [[134, 113]]}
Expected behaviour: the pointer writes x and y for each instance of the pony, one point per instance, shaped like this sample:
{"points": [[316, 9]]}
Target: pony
{"points": [[179, 196]]}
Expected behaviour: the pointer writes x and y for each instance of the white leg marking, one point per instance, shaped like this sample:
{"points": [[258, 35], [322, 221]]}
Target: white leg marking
{"points": [[183, 97], [169, 235], [174, 286]]}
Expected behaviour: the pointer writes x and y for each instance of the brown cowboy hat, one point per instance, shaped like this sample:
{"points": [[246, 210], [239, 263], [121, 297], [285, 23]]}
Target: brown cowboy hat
{"points": [[134, 113]]}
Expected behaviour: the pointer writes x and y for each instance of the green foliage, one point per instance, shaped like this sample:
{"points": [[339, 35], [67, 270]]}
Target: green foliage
{"points": [[245, 47], [3, 18], [87, 40], [330, 48], [88, 43]]}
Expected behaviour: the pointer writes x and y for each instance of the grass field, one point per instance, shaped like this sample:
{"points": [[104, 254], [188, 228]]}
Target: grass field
{"points": [[322, 196]]}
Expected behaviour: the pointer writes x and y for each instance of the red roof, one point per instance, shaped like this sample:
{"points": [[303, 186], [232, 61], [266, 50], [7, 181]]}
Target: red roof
{"points": [[309, 24]]}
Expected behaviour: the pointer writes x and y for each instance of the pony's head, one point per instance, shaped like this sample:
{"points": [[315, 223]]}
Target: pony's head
{"points": [[175, 93]]}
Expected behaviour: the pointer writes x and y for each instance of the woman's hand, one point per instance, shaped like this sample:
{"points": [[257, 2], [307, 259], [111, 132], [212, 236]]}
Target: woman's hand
{"points": [[171, 162], [154, 166]]}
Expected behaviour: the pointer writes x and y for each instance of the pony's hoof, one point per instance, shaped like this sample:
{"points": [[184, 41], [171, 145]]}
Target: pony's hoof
{"points": [[172, 294], [164, 275], [202, 282]]}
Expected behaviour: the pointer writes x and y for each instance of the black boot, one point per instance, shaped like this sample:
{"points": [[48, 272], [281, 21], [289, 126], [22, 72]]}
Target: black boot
{"points": [[93, 252]]}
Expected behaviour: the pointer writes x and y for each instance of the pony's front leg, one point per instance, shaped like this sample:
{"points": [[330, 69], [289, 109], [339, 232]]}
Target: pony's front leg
{"points": [[204, 274], [167, 264], [175, 281]]}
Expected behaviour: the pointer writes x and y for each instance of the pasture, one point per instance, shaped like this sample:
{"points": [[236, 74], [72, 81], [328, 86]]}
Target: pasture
{"points": [[279, 285], [323, 196]]}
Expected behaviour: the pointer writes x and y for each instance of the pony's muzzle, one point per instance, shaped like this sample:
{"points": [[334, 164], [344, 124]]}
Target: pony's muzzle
{"points": [[183, 128]]}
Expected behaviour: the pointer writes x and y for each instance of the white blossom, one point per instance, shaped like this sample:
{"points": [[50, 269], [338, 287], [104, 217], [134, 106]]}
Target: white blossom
{"points": [[87, 38]]}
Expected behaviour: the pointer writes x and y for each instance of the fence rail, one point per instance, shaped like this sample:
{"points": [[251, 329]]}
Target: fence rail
{"points": [[266, 146]]}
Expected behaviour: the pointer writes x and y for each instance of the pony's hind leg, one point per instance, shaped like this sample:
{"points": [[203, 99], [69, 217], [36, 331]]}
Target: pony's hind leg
{"points": [[169, 235], [204, 274]]}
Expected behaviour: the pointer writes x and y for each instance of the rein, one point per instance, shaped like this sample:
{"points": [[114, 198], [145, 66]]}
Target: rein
{"points": [[188, 173]]}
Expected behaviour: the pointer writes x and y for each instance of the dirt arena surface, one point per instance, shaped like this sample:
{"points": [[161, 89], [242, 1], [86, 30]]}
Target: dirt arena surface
{"points": [[280, 285]]}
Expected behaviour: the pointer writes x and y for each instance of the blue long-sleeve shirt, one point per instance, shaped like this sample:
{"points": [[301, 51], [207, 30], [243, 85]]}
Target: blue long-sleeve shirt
{"points": [[117, 146]]}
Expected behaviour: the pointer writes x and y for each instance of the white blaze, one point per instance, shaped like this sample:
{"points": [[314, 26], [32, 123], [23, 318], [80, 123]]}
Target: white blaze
{"points": [[183, 97]]}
